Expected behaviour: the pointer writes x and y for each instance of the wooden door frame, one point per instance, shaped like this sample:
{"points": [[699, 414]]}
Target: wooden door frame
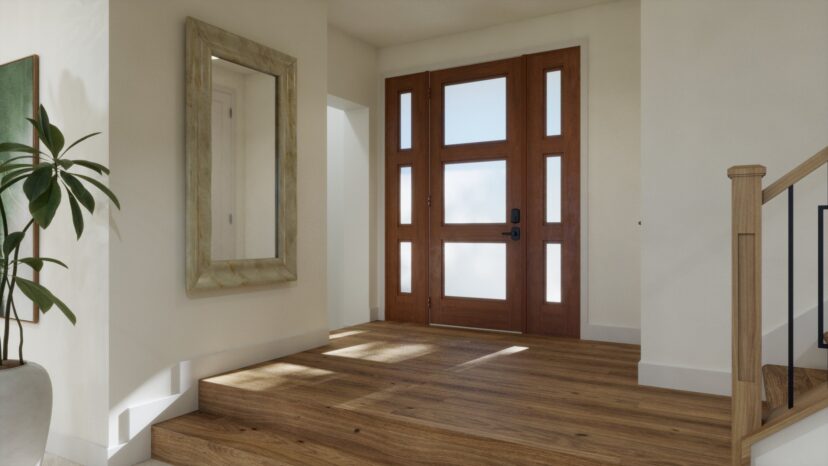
{"points": [[407, 307], [537, 316]]}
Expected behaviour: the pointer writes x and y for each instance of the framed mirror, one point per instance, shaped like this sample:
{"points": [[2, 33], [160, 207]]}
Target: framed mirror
{"points": [[241, 161]]}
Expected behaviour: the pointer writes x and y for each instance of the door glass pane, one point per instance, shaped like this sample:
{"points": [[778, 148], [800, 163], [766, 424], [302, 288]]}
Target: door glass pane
{"points": [[553, 189], [475, 192], [553, 272], [475, 111], [553, 103], [405, 120], [405, 267], [405, 195], [475, 270]]}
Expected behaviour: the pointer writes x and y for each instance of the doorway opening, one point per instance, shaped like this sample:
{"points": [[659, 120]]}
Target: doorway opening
{"points": [[483, 195], [348, 180]]}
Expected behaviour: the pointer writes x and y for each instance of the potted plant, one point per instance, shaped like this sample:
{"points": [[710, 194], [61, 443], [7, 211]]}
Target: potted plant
{"points": [[47, 179]]}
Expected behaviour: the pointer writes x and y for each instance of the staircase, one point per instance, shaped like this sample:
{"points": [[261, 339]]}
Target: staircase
{"points": [[791, 393]]}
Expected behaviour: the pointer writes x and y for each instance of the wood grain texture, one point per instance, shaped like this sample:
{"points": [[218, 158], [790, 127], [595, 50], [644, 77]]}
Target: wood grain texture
{"points": [[776, 383], [789, 179], [395, 393], [746, 336]]}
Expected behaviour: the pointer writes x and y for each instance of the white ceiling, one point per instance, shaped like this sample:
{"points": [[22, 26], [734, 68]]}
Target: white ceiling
{"points": [[392, 22]]}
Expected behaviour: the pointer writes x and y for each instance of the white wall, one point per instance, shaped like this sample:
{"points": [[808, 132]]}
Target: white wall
{"points": [[802, 444], [348, 213], [723, 83], [71, 38], [352, 77], [609, 37], [161, 339]]}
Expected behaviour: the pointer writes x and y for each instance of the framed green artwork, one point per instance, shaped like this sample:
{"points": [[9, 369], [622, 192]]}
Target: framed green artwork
{"points": [[19, 83]]}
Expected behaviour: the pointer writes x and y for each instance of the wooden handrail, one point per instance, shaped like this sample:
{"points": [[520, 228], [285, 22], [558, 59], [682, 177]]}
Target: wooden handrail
{"points": [[801, 171]]}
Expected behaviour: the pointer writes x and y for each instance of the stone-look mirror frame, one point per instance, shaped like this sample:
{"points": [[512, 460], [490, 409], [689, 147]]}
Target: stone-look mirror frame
{"points": [[202, 42]]}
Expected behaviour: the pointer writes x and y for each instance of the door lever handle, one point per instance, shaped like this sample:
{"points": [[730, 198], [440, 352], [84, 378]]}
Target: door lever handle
{"points": [[514, 233]]}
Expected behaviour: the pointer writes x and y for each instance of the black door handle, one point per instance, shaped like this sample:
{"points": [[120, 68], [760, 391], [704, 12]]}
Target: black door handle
{"points": [[514, 233]]}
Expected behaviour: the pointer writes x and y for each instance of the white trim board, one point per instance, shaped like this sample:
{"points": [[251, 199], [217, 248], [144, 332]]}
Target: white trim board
{"points": [[689, 379]]}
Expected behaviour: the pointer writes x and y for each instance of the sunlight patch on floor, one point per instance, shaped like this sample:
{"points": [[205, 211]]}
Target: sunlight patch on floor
{"points": [[272, 375], [383, 351], [346, 333], [504, 352]]}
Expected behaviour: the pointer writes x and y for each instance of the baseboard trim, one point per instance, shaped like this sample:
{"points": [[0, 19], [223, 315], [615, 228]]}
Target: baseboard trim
{"points": [[684, 378], [611, 333], [76, 450]]}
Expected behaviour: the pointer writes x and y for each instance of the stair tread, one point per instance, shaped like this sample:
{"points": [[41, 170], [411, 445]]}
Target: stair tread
{"points": [[776, 383], [216, 439]]}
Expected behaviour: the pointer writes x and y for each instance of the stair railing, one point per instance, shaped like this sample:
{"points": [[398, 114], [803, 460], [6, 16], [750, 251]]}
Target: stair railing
{"points": [[748, 197]]}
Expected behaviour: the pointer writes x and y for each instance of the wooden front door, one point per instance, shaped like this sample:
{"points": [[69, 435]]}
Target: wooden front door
{"points": [[486, 181]]}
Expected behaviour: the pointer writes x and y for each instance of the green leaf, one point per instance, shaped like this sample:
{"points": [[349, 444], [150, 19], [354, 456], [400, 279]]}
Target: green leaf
{"points": [[44, 298], [13, 166], [56, 136], [103, 189], [79, 190], [39, 129], [17, 172], [44, 125], [11, 242], [80, 141], [77, 215], [92, 166], [37, 262], [15, 147], [15, 159], [38, 182], [43, 208], [66, 164]]}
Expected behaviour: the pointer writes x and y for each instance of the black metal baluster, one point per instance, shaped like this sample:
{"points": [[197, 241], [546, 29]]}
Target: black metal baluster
{"points": [[790, 297]]}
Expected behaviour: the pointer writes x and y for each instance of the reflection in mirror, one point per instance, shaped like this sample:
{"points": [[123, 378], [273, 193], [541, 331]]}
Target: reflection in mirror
{"points": [[244, 168]]}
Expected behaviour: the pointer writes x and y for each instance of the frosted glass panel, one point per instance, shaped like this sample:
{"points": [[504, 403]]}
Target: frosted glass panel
{"points": [[475, 192], [553, 272], [475, 270], [405, 267], [475, 111], [405, 195], [405, 120], [553, 189], [553, 103]]}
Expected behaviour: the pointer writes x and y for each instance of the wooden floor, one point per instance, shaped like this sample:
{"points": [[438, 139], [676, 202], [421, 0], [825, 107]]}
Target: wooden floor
{"points": [[389, 393]]}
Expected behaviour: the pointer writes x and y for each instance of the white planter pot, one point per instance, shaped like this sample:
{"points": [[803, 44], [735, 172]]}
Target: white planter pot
{"points": [[25, 413]]}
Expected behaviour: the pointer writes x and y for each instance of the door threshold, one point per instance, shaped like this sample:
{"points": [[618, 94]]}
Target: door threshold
{"points": [[511, 332]]}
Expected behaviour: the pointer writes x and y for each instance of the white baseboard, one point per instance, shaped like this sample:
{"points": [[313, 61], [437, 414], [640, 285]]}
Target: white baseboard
{"points": [[612, 334], [684, 378], [76, 450]]}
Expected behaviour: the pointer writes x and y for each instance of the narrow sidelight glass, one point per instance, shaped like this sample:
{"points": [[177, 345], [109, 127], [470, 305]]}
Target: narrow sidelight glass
{"points": [[405, 195], [553, 189], [405, 267], [553, 103], [553, 272], [405, 120]]}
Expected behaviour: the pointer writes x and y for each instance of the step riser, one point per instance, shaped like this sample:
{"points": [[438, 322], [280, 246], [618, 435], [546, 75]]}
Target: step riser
{"points": [[185, 450]]}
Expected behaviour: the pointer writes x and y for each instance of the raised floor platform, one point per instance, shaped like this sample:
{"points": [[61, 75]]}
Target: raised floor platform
{"points": [[390, 393]]}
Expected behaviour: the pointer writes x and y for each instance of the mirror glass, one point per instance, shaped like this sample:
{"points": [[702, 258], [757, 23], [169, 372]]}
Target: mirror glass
{"points": [[244, 163]]}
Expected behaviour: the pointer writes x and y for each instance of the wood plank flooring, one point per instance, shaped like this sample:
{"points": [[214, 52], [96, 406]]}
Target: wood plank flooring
{"points": [[391, 393]]}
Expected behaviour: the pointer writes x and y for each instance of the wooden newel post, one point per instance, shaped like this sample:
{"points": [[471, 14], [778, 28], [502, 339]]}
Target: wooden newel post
{"points": [[747, 306]]}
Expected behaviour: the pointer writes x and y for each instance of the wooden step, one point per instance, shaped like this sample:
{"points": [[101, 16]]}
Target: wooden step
{"points": [[776, 383], [204, 439]]}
